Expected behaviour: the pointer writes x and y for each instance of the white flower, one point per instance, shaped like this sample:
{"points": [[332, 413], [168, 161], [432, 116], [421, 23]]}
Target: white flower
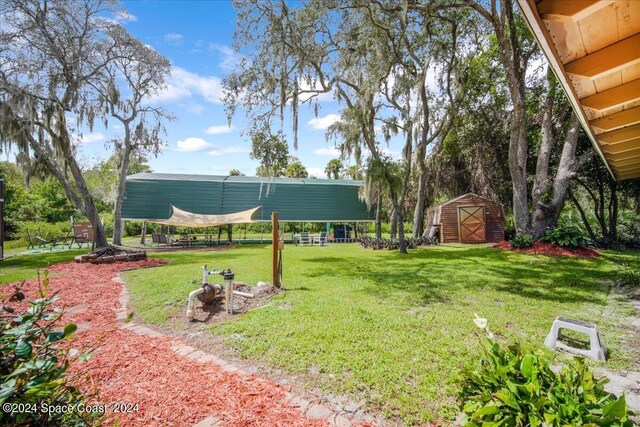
{"points": [[480, 322]]}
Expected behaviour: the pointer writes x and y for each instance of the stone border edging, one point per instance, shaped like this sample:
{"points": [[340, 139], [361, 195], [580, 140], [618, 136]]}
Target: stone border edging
{"points": [[310, 409]]}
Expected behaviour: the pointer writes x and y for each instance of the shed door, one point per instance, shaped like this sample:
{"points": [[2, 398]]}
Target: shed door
{"points": [[471, 224]]}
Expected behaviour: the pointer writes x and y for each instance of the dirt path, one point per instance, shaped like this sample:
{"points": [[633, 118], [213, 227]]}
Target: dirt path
{"points": [[170, 388]]}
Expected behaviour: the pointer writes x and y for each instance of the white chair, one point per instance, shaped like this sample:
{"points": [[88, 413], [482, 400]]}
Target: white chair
{"points": [[596, 349], [305, 239], [320, 240]]}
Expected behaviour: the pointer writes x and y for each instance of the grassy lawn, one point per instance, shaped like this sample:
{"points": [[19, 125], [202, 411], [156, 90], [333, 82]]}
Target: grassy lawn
{"points": [[23, 267], [387, 329]]}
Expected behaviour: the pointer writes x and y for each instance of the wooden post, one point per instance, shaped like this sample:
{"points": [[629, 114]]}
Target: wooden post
{"points": [[143, 235], [275, 280]]}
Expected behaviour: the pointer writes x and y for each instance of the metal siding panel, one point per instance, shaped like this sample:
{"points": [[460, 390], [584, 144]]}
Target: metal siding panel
{"points": [[152, 199], [149, 196]]}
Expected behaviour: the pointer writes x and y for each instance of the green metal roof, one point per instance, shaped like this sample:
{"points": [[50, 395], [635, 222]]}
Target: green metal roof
{"points": [[150, 196]]}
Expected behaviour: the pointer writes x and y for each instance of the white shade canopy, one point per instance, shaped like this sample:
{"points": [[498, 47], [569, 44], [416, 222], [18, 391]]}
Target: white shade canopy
{"points": [[190, 219]]}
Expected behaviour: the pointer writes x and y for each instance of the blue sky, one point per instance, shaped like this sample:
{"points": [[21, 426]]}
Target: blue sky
{"points": [[196, 36]]}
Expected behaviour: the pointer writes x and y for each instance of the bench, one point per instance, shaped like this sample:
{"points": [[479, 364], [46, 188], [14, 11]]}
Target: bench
{"points": [[596, 349]]}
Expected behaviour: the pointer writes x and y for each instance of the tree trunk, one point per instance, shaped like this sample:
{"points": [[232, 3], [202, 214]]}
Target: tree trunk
{"points": [[400, 223], [230, 233], [599, 211], [502, 20], [84, 200], [394, 225], [546, 215], [94, 217], [636, 206], [379, 216], [418, 214], [143, 235], [542, 184], [613, 210], [117, 211], [518, 167], [90, 210], [583, 216], [517, 135]]}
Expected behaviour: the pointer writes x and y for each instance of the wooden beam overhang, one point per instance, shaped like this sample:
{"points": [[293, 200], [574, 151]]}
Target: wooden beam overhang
{"points": [[568, 10], [621, 163], [607, 60], [613, 97], [617, 120], [593, 47]]}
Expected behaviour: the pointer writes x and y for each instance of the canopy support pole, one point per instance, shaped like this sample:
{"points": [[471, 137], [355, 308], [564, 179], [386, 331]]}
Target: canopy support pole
{"points": [[143, 235], [275, 279]]}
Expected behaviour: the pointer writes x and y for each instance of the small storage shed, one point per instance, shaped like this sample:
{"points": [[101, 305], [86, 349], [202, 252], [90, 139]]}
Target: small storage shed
{"points": [[468, 219]]}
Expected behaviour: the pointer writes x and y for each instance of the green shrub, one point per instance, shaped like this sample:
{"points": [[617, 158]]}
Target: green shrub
{"points": [[411, 242], [56, 230], [627, 277], [568, 236], [33, 364], [509, 228], [511, 388], [629, 230], [607, 243], [521, 241], [107, 222]]}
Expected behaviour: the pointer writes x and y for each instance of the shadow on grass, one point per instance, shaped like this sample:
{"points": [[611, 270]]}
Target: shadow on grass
{"points": [[433, 276], [23, 267]]}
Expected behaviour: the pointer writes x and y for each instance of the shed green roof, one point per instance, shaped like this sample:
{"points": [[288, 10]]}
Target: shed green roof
{"points": [[150, 196]]}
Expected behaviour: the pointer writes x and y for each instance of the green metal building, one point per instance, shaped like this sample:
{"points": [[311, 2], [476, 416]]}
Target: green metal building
{"points": [[149, 196]]}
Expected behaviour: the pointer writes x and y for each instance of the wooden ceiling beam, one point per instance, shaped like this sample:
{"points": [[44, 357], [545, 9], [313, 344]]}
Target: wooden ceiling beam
{"points": [[613, 97], [624, 162], [607, 60], [622, 156], [628, 167], [620, 135], [622, 177], [617, 120], [569, 10], [621, 147]]}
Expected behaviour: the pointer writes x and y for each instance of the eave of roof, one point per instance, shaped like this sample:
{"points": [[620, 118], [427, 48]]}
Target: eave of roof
{"points": [[593, 47], [241, 179]]}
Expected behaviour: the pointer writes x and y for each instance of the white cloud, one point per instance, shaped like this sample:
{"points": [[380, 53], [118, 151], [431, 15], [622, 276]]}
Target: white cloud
{"points": [[320, 123], [395, 155], [229, 150], [219, 129], [123, 15], [91, 138], [193, 145], [174, 38], [315, 86], [172, 92], [317, 172], [229, 58], [183, 84], [327, 152], [195, 109]]}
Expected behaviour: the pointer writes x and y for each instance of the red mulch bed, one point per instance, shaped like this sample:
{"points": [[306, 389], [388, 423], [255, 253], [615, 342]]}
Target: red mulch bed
{"points": [[542, 248], [169, 389]]}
